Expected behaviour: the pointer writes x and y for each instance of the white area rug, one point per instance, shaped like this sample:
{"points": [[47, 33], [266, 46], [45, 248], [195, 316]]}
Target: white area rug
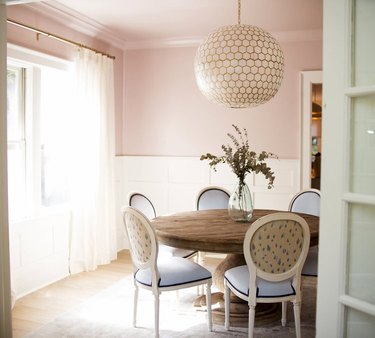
{"points": [[109, 314]]}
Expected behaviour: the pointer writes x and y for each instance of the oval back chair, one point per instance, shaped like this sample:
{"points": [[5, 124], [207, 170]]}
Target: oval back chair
{"points": [[159, 275], [275, 249]]}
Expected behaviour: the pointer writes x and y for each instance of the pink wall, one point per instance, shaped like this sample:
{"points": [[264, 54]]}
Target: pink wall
{"points": [[27, 15], [165, 114], [160, 111]]}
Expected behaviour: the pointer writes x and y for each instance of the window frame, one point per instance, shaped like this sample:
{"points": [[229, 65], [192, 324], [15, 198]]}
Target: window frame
{"points": [[33, 62]]}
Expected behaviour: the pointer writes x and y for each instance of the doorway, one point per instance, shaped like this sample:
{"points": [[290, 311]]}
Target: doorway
{"points": [[316, 134], [311, 127]]}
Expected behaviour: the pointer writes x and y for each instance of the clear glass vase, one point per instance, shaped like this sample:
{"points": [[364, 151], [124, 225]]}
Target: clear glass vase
{"points": [[240, 206]]}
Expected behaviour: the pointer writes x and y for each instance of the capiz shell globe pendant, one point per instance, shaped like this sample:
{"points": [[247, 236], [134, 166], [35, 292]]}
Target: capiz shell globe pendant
{"points": [[239, 66]]}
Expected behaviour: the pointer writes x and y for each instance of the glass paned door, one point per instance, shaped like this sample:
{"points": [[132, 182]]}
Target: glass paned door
{"points": [[359, 324], [362, 173], [359, 297], [363, 51], [361, 269], [346, 292]]}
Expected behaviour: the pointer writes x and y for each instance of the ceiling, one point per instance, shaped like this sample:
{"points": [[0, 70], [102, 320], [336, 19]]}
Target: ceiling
{"points": [[152, 20]]}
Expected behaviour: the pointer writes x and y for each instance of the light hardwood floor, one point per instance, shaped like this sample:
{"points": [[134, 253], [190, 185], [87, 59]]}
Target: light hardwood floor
{"points": [[44, 305]]}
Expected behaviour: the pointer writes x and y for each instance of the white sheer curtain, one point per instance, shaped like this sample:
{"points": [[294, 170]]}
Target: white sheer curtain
{"points": [[93, 226]]}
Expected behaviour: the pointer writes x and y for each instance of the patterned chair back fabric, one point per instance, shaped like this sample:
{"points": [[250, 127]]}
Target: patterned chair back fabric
{"points": [[276, 246], [142, 239]]}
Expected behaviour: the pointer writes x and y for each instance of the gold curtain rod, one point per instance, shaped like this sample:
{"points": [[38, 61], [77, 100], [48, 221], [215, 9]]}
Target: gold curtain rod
{"points": [[56, 37]]}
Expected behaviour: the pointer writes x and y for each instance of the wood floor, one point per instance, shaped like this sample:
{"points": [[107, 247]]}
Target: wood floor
{"points": [[44, 305]]}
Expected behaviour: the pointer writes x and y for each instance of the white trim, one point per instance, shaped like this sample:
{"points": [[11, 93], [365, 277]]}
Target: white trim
{"points": [[77, 21], [5, 294], [81, 23], [32, 57], [359, 198], [195, 41], [165, 43], [357, 304], [19, 2], [360, 91], [307, 79]]}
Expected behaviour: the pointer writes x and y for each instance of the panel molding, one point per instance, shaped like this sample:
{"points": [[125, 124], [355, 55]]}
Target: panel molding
{"points": [[39, 247], [172, 183]]}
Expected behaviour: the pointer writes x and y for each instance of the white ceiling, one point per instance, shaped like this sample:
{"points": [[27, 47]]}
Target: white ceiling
{"points": [[152, 20]]}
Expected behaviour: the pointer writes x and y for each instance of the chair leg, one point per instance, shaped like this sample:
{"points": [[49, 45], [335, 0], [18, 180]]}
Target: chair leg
{"points": [[227, 305], [135, 305], [156, 314], [198, 260], [297, 320], [200, 257], [283, 313], [209, 306], [251, 320]]}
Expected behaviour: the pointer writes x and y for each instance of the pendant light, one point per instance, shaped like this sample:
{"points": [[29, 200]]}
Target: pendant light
{"points": [[239, 66]]}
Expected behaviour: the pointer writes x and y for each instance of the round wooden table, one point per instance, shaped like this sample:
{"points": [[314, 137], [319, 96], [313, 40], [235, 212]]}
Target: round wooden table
{"points": [[214, 231]]}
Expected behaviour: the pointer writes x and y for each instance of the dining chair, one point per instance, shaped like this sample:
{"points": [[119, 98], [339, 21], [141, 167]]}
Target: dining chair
{"points": [[159, 275], [144, 204], [275, 249], [308, 202], [212, 197]]}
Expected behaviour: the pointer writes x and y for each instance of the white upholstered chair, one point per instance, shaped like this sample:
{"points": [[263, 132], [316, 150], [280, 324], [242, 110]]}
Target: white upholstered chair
{"points": [[308, 202], [275, 249], [143, 204], [159, 275], [212, 197]]}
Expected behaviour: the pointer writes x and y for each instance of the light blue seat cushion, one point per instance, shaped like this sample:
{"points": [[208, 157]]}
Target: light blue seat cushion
{"points": [[166, 252], [174, 271], [310, 268], [238, 278]]}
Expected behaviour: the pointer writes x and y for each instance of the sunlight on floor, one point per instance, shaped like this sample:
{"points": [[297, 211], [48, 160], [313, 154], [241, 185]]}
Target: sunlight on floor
{"points": [[115, 307]]}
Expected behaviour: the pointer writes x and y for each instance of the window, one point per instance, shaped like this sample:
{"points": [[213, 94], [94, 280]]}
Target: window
{"points": [[54, 136], [39, 95], [16, 142]]}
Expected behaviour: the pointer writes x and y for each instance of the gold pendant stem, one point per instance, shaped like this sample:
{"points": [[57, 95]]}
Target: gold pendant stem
{"points": [[239, 12]]}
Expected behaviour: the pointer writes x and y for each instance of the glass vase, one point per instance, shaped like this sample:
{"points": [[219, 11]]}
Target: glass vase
{"points": [[240, 206]]}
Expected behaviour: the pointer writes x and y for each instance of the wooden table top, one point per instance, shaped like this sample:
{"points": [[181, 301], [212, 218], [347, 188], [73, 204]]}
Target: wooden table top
{"points": [[213, 230]]}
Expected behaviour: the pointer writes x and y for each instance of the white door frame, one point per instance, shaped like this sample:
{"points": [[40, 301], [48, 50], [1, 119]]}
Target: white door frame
{"points": [[307, 79], [5, 300], [342, 311]]}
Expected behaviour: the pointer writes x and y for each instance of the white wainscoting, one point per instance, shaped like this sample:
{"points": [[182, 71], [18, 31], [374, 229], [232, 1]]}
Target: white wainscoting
{"points": [[172, 183], [39, 252], [39, 247]]}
